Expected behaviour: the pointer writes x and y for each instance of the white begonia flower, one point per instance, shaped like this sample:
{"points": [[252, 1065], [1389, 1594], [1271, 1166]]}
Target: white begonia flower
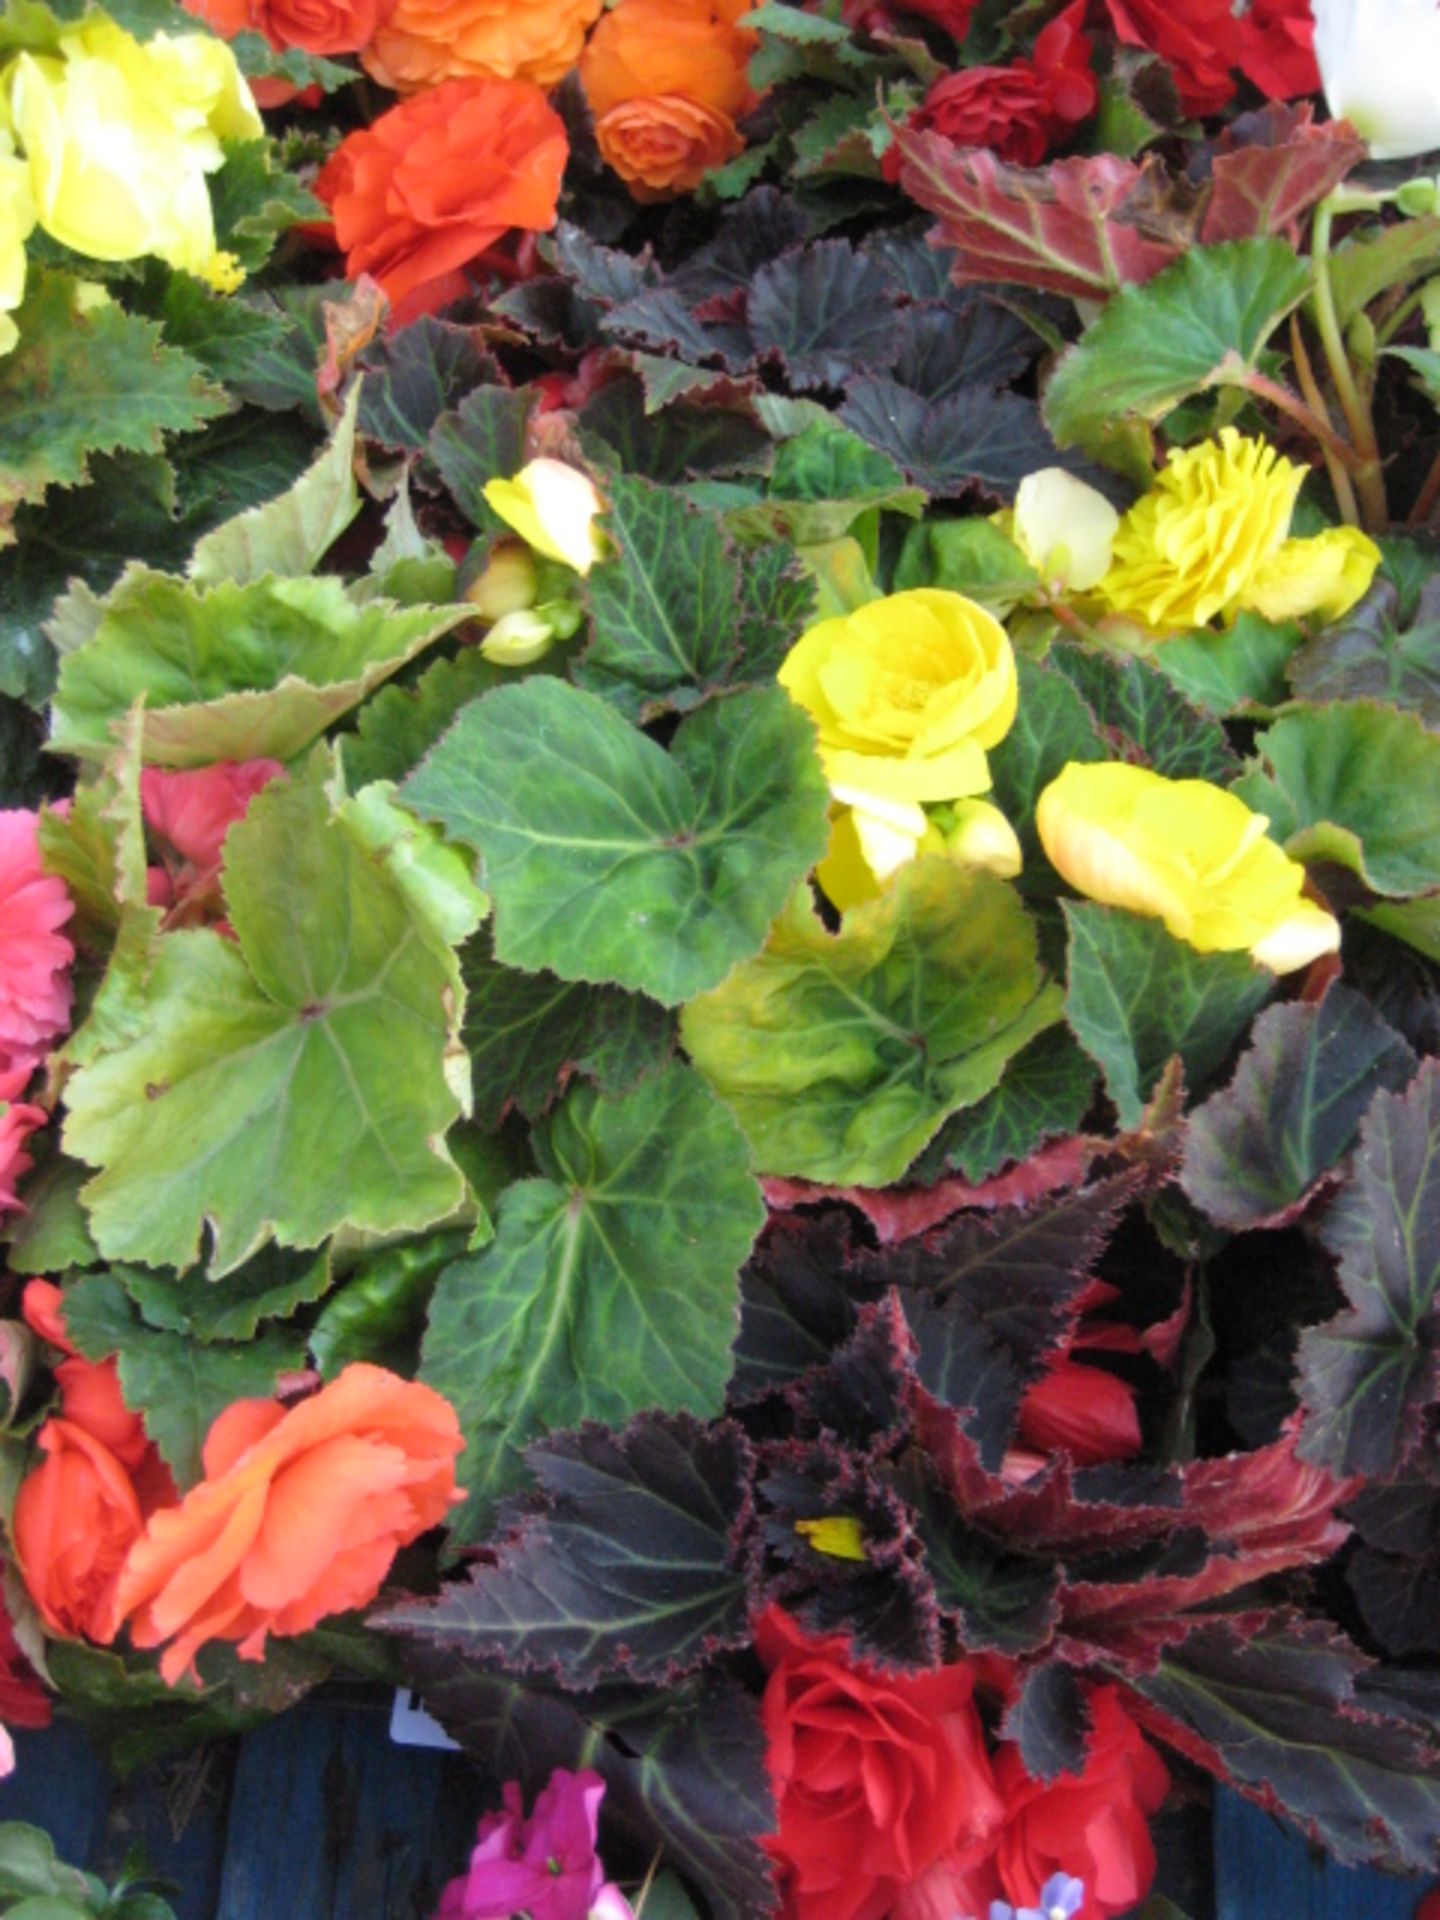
{"points": [[1380, 64]]}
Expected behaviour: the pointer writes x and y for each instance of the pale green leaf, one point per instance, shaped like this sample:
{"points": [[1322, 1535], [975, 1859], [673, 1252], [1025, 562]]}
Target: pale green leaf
{"points": [[285, 1083], [232, 671], [842, 1054]]}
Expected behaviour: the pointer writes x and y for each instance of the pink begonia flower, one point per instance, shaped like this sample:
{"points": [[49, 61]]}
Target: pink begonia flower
{"points": [[546, 1866], [194, 811], [17, 1122], [35, 957]]}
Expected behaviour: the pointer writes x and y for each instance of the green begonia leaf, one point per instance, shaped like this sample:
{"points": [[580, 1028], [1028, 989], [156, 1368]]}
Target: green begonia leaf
{"points": [[611, 1284], [1238, 671], [1199, 323], [77, 384], [176, 1383], [611, 860], [271, 1286], [842, 1054], [1045, 1090], [290, 534], [232, 671], [1376, 653], [525, 1031], [1135, 702], [663, 610], [1137, 997], [972, 557], [290, 1081], [1052, 726], [400, 724], [1354, 783]]}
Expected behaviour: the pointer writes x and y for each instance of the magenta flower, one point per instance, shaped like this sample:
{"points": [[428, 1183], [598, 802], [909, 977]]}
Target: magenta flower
{"points": [[34, 956], [544, 1867]]}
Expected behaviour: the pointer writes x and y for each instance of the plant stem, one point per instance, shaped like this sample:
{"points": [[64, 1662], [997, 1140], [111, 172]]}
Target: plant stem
{"points": [[1368, 474], [1319, 428], [1428, 497], [1310, 387], [1393, 322]]}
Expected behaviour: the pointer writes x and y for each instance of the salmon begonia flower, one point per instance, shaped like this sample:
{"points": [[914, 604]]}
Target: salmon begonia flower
{"points": [[299, 1516]]}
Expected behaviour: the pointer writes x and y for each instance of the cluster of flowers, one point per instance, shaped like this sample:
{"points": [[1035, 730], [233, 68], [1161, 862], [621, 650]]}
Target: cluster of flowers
{"points": [[910, 691], [477, 151], [106, 145], [892, 1801]]}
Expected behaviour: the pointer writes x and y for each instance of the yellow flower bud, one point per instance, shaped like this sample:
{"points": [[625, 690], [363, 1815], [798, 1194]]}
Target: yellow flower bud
{"points": [[1189, 551], [982, 837], [908, 693], [552, 506], [1187, 853], [839, 1536], [518, 639], [119, 138], [222, 272], [1324, 576], [508, 583], [1064, 529]]}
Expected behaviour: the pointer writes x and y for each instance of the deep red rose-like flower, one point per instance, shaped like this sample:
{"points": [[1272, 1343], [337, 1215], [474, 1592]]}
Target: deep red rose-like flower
{"points": [[1088, 1413], [1095, 1824], [953, 16], [1277, 48], [437, 180], [1197, 39], [876, 1776], [23, 1701], [1021, 111]]}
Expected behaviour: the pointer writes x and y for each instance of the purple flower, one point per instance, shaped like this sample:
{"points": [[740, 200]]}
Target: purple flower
{"points": [[544, 1867], [1061, 1898]]}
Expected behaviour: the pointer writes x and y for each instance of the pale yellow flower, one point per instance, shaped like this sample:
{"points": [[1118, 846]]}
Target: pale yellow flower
{"points": [[908, 693], [17, 219], [981, 836], [1184, 852], [119, 138], [1190, 550]]}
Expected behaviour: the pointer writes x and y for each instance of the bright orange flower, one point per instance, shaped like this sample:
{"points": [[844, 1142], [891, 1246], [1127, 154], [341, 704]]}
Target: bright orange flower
{"points": [[666, 82], [425, 41], [437, 180], [299, 1516]]}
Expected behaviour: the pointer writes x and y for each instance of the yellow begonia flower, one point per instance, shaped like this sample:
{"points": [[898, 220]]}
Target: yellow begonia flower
{"points": [[119, 138], [1324, 576], [552, 507], [908, 693], [17, 219], [1189, 551], [1187, 853], [1065, 529]]}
